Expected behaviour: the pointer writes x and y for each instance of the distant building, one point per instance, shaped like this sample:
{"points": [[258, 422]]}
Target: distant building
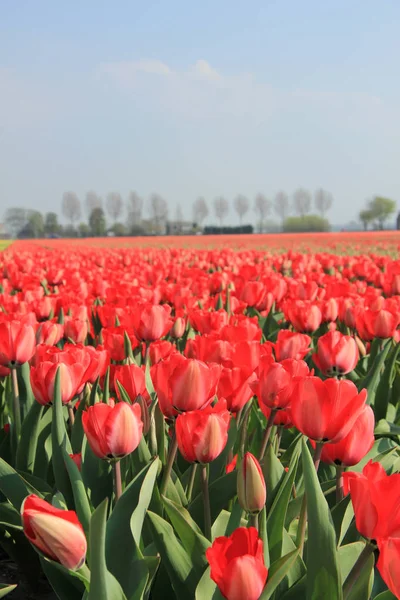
{"points": [[180, 227]]}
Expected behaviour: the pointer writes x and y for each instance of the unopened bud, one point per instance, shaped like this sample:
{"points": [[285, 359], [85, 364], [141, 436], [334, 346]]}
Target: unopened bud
{"points": [[251, 489]]}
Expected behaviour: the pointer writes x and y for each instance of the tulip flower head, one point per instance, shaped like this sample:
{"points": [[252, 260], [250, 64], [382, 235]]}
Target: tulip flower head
{"points": [[251, 489], [113, 432], [237, 564], [57, 533], [202, 434]]}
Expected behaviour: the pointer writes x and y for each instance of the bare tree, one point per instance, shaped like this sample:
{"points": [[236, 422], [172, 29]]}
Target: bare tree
{"points": [[221, 208], [135, 207], [158, 211], [92, 201], [281, 205], [241, 205], [16, 219], [178, 218], [302, 201], [262, 207], [323, 201], [114, 205], [71, 207], [200, 210]]}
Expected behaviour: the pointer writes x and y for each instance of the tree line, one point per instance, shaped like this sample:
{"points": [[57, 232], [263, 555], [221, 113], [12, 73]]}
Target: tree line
{"points": [[137, 216], [95, 216]]}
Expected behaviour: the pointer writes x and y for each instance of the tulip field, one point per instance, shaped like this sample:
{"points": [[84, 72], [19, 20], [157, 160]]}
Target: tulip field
{"points": [[200, 418]]}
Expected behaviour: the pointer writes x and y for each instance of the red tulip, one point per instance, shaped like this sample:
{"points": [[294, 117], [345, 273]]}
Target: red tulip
{"points": [[113, 432], [75, 330], [381, 323], [17, 343], [291, 344], [113, 341], [133, 380], [202, 434], [184, 384], [43, 378], [326, 410], [357, 443], [57, 533], [388, 563], [282, 417], [49, 333], [178, 328], [337, 354], [160, 350], [276, 380], [256, 295], [206, 321], [305, 316], [251, 489], [237, 564], [151, 322], [234, 387], [376, 499]]}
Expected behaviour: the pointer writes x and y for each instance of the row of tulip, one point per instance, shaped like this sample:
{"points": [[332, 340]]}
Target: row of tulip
{"points": [[180, 424]]}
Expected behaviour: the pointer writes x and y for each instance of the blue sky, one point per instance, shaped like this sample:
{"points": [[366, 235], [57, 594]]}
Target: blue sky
{"points": [[211, 98]]}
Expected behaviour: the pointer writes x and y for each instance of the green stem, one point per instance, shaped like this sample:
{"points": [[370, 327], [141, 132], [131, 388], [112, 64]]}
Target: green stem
{"points": [[191, 482], [206, 501], [16, 405], [84, 571], [168, 467], [354, 574], [267, 433], [244, 428], [117, 480], [317, 454], [253, 521], [339, 483], [71, 415], [278, 438]]}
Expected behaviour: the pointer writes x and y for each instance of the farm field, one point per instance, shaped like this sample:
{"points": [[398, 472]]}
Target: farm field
{"points": [[201, 417]]}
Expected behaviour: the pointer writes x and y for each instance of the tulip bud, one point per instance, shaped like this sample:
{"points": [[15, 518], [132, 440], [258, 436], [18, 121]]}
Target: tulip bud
{"points": [[251, 489], [178, 328], [57, 533], [145, 413]]}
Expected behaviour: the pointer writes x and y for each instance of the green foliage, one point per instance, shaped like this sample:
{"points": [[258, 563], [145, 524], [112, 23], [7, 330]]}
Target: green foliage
{"points": [[97, 222], [305, 223]]}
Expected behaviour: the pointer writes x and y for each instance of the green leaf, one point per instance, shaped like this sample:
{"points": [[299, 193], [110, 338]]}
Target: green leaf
{"points": [[274, 474], [65, 585], [384, 389], [207, 589], [342, 516], [323, 574], [81, 500], [6, 589], [25, 390], [189, 533], [385, 596], [124, 559], [221, 491], [9, 516], [13, 486], [26, 452], [103, 585], [278, 571], [60, 441], [96, 475], [348, 556], [277, 513], [371, 380], [174, 557], [77, 433]]}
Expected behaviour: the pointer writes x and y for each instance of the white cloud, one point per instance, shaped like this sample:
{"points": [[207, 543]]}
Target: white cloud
{"points": [[204, 69]]}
